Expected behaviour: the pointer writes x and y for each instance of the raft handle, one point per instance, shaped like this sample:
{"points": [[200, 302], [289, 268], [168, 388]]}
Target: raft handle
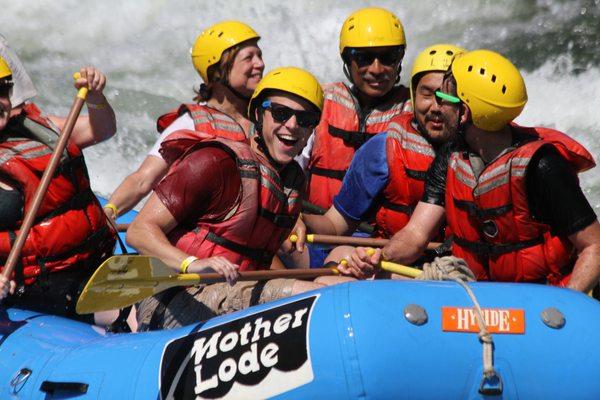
{"points": [[71, 387], [491, 385], [20, 379]]}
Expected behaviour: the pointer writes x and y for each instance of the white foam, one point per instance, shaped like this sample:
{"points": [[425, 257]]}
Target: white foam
{"points": [[143, 48]]}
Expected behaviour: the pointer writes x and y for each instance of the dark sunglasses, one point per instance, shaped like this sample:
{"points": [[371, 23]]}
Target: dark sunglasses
{"points": [[440, 97], [281, 113], [5, 88], [365, 58]]}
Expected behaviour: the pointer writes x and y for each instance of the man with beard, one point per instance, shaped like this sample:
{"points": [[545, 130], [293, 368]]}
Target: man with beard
{"points": [[510, 194], [387, 175]]}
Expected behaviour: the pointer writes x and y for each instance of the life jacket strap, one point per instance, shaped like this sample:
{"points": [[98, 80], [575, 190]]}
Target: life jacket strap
{"points": [[350, 138], [262, 257]]}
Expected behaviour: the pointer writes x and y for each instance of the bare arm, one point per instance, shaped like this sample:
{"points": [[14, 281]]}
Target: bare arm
{"points": [[404, 247], [148, 234], [586, 272], [409, 243], [331, 223], [100, 124], [138, 184]]}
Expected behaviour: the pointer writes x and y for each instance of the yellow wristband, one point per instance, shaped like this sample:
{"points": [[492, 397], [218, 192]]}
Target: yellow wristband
{"points": [[112, 207], [186, 263], [95, 106]]}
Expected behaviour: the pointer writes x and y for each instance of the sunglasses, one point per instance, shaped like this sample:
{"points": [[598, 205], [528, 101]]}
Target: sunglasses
{"points": [[440, 97], [365, 58], [281, 114]]}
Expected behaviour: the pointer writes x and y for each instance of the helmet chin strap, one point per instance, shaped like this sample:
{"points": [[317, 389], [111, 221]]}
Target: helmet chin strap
{"points": [[260, 141], [225, 82]]}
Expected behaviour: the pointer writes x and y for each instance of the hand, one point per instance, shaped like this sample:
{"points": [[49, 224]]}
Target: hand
{"points": [[95, 81], [219, 264], [6, 287], [110, 213], [299, 231], [361, 264]]}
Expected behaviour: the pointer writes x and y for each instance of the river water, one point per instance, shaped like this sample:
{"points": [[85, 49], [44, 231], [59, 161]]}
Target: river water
{"points": [[143, 47]]}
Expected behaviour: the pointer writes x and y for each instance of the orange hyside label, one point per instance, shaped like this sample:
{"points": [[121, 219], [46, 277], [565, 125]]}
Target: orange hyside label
{"points": [[497, 320]]}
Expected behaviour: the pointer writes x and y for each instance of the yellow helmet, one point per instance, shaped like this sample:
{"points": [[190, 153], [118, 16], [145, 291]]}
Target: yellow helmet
{"points": [[4, 69], [213, 41], [371, 27], [491, 86], [291, 80], [434, 58]]}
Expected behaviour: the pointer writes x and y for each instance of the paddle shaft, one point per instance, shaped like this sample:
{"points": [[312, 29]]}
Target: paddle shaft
{"points": [[353, 241], [304, 273], [64, 136]]}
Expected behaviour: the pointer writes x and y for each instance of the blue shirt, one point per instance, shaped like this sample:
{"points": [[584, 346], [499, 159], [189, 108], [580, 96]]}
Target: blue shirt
{"points": [[365, 179]]}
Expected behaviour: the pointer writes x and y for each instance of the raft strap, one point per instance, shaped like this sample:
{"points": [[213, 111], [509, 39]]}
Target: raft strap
{"points": [[456, 269], [51, 388]]}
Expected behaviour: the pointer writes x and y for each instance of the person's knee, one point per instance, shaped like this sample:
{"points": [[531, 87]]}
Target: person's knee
{"points": [[305, 286], [339, 253]]}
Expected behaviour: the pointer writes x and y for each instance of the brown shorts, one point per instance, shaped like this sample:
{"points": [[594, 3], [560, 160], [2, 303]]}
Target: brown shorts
{"points": [[179, 307]]}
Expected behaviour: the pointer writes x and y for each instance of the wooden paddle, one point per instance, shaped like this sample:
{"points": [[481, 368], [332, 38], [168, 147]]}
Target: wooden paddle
{"points": [[125, 280], [351, 241], [63, 139]]}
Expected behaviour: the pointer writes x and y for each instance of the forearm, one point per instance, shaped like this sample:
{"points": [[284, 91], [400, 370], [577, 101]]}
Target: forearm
{"points": [[139, 184], [102, 120], [331, 223], [405, 247], [150, 240], [129, 193], [318, 224], [586, 271]]}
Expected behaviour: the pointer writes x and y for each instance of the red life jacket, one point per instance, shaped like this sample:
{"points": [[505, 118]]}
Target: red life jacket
{"points": [[208, 120], [70, 226], [409, 156], [258, 222], [342, 130], [493, 227]]}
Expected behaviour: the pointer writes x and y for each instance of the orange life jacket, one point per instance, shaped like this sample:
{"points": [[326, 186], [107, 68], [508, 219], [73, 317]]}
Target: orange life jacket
{"points": [[342, 130], [258, 222], [207, 120], [409, 156], [489, 215], [70, 226]]}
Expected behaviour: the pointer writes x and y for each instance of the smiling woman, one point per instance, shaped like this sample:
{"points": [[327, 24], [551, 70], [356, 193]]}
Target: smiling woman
{"points": [[227, 58]]}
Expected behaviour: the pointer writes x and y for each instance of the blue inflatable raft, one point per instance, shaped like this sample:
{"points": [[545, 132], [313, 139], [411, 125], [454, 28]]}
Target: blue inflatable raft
{"points": [[362, 340]]}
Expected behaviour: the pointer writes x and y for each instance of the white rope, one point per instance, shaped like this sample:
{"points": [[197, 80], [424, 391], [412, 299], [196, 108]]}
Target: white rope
{"points": [[455, 269]]}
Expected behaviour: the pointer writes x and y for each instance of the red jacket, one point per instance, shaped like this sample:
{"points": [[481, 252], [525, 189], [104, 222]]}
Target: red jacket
{"points": [[258, 222], [340, 133], [70, 226], [490, 217], [409, 156]]}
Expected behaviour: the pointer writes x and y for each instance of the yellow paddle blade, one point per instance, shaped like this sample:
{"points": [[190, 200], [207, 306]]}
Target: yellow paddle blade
{"points": [[125, 280]]}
